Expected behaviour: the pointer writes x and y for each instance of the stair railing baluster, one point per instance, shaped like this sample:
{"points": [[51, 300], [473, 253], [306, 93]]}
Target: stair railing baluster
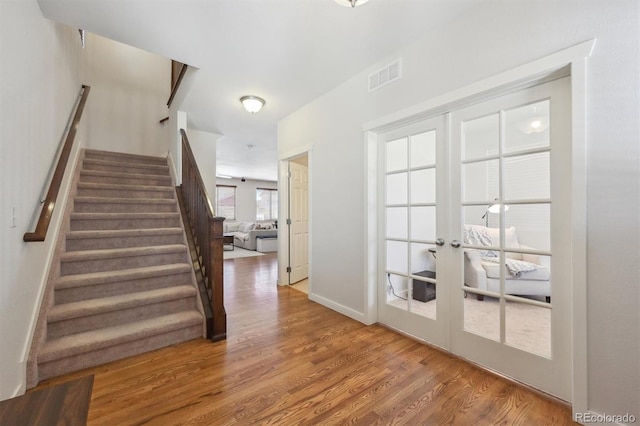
{"points": [[207, 230]]}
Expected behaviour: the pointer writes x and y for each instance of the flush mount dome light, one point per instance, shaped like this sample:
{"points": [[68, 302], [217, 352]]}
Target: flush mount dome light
{"points": [[252, 104], [351, 3]]}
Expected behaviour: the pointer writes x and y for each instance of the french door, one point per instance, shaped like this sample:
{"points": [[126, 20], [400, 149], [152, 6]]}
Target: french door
{"points": [[414, 179], [476, 224]]}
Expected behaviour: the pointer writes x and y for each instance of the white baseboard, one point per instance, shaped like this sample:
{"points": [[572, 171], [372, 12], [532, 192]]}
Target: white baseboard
{"points": [[351, 313]]}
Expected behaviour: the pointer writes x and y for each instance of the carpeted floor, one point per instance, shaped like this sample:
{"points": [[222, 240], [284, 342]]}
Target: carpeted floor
{"points": [[240, 252], [528, 327]]}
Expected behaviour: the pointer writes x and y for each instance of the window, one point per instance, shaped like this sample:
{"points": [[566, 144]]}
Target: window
{"points": [[267, 204], [226, 201]]}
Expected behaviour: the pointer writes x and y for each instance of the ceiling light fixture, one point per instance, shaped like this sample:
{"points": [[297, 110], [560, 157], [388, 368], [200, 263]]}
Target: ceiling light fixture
{"points": [[351, 3], [252, 104]]}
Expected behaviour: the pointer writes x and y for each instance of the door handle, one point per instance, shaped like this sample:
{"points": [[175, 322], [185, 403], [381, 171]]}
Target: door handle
{"points": [[455, 243], [440, 242]]}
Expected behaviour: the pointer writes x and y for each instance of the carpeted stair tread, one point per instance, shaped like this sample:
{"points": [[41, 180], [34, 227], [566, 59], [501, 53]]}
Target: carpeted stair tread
{"points": [[114, 174], [116, 303], [106, 216], [123, 156], [101, 200], [120, 233], [162, 168], [97, 339], [122, 187], [79, 256], [96, 278]]}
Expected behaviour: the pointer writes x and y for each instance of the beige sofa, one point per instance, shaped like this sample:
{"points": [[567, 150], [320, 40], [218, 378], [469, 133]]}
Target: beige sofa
{"points": [[245, 233]]}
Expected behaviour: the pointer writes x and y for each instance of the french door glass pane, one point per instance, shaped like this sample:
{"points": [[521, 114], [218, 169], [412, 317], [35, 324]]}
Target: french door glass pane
{"points": [[423, 265], [527, 127], [397, 291], [397, 188], [527, 177], [474, 215], [423, 223], [480, 180], [422, 259], [397, 260], [532, 223], [397, 222], [396, 158], [423, 186], [481, 137], [423, 149], [528, 327], [482, 317]]}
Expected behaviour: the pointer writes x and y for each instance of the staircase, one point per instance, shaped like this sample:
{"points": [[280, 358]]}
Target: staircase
{"points": [[122, 283]]}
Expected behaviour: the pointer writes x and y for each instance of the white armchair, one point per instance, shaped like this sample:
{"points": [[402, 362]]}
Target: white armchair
{"points": [[485, 275]]}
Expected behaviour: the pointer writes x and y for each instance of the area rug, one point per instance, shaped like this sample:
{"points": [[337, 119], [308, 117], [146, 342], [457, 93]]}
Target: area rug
{"points": [[240, 252], [528, 327]]}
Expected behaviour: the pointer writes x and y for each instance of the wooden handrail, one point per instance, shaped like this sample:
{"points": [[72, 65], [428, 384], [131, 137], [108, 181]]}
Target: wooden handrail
{"points": [[54, 187], [176, 80], [207, 233]]}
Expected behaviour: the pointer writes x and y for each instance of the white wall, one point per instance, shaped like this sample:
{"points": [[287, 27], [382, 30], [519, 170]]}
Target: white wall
{"points": [[498, 36], [40, 77], [129, 93], [203, 145], [246, 206]]}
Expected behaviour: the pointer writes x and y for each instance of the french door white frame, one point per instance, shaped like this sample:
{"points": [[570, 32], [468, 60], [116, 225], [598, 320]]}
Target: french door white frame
{"points": [[571, 61]]}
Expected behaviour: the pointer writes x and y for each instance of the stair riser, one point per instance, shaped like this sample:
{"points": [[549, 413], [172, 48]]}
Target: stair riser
{"points": [[163, 181], [112, 353], [120, 193], [106, 156], [77, 294], [119, 263], [125, 168], [123, 242], [123, 316], [115, 224], [110, 207]]}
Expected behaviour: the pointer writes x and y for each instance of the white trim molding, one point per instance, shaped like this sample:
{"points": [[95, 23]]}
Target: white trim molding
{"points": [[344, 310]]}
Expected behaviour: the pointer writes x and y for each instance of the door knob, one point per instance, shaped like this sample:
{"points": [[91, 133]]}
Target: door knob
{"points": [[439, 242], [455, 243]]}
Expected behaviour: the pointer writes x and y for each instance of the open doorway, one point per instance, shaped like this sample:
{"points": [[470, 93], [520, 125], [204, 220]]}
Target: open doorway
{"points": [[294, 235], [298, 222]]}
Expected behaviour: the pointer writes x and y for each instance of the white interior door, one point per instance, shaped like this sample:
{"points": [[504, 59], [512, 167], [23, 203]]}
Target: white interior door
{"points": [[299, 215], [493, 186], [412, 228]]}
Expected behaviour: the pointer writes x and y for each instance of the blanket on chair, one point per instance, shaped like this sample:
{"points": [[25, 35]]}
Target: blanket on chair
{"points": [[479, 236], [514, 266]]}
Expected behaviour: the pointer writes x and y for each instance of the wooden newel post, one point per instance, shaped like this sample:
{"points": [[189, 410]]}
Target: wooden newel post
{"points": [[217, 279]]}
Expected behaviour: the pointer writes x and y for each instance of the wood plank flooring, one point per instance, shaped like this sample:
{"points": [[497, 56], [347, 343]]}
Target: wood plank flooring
{"points": [[289, 361]]}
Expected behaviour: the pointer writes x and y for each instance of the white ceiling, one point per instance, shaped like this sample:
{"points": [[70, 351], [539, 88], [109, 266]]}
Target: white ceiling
{"points": [[288, 52]]}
